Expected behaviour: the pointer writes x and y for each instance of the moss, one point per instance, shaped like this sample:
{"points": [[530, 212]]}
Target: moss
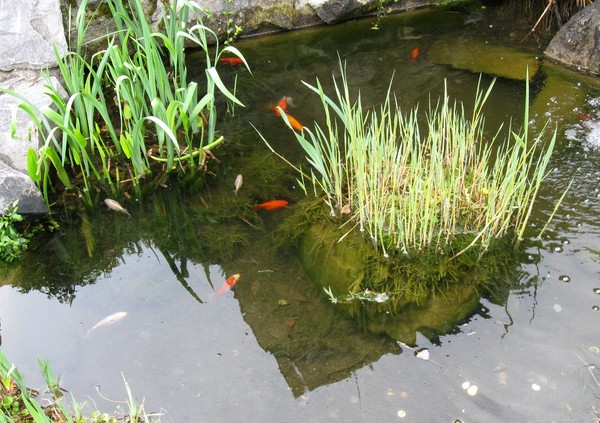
{"points": [[427, 292]]}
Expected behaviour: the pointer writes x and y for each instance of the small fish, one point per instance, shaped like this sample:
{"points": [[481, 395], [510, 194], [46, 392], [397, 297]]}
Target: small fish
{"points": [[114, 205], [271, 205], [282, 104], [295, 124], [229, 283], [109, 320], [231, 60], [239, 180], [414, 54]]}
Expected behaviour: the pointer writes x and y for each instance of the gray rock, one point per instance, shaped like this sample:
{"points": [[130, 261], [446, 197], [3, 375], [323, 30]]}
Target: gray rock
{"points": [[577, 43], [15, 185], [28, 29]]}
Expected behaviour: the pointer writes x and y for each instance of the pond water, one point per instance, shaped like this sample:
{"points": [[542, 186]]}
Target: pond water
{"points": [[273, 349]]}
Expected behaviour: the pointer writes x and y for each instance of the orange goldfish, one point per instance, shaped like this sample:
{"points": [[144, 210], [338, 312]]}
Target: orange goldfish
{"points": [[414, 54], [271, 205], [231, 60], [229, 283], [283, 103], [295, 124]]}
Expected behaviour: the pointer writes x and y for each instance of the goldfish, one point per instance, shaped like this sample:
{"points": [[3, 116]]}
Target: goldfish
{"points": [[239, 180], [414, 54], [282, 104], [271, 205], [295, 124], [231, 60], [109, 320], [229, 283], [114, 205]]}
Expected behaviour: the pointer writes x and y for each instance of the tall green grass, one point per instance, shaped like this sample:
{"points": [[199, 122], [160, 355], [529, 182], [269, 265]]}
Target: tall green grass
{"points": [[445, 190], [130, 109]]}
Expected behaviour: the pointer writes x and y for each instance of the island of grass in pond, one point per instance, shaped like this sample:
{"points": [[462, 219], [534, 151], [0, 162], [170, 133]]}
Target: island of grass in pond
{"points": [[407, 209]]}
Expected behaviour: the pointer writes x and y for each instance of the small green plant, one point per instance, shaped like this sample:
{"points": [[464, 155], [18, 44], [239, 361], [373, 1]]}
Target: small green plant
{"points": [[19, 404], [12, 243]]}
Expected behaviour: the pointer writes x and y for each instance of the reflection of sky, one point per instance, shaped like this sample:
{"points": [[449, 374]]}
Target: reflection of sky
{"points": [[169, 346]]}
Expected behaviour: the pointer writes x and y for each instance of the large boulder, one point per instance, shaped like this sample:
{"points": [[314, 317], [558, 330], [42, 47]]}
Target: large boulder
{"points": [[28, 31], [577, 43]]}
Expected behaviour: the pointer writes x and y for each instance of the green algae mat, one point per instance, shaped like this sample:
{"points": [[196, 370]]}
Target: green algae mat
{"points": [[481, 57]]}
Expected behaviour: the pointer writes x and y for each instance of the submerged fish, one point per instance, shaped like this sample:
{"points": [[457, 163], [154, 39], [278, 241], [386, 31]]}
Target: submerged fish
{"points": [[114, 205], [271, 205], [295, 124], [239, 180], [413, 55], [231, 60], [109, 320], [229, 283]]}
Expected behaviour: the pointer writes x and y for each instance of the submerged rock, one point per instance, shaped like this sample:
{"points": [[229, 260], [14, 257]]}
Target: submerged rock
{"points": [[480, 57]]}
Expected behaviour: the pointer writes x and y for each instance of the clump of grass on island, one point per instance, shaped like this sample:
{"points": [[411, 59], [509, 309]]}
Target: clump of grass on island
{"points": [[131, 112], [443, 192]]}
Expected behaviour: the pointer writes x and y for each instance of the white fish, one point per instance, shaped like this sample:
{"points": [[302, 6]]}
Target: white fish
{"points": [[114, 205], [109, 320], [239, 180]]}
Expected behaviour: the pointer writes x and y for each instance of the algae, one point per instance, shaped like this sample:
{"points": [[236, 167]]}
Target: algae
{"points": [[481, 57], [398, 295]]}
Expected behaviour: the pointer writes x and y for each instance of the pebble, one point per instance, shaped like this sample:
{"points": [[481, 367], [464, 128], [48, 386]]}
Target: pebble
{"points": [[535, 387], [472, 391]]}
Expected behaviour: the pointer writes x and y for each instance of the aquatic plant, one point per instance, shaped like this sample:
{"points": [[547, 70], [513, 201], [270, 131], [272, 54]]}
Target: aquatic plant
{"points": [[12, 243], [19, 403], [443, 192], [164, 122]]}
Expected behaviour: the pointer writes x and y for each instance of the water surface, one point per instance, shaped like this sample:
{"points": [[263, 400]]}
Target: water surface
{"points": [[273, 349]]}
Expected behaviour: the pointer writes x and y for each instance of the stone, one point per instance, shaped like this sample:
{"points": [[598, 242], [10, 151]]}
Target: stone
{"points": [[577, 43], [28, 30], [15, 185]]}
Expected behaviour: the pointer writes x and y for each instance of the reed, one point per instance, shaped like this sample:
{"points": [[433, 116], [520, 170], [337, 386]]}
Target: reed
{"points": [[446, 191], [130, 109]]}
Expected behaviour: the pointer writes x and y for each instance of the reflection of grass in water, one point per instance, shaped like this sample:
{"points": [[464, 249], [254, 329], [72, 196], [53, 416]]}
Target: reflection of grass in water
{"points": [[408, 280]]}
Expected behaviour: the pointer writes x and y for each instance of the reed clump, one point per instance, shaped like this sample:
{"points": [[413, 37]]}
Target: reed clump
{"points": [[439, 192], [130, 112]]}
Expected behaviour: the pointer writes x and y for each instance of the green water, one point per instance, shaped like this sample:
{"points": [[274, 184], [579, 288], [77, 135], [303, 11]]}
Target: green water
{"points": [[274, 349]]}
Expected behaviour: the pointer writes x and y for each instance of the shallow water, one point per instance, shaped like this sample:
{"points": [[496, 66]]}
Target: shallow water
{"points": [[273, 349]]}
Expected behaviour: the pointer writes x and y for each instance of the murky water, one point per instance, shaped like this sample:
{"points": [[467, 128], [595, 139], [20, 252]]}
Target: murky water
{"points": [[273, 349]]}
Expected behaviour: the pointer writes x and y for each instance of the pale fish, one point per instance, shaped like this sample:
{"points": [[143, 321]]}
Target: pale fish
{"points": [[109, 320], [114, 205], [239, 180]]}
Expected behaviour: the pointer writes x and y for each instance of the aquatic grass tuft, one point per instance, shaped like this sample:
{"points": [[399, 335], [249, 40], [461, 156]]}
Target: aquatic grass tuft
{"points": [[442, 192], [130, 109]]}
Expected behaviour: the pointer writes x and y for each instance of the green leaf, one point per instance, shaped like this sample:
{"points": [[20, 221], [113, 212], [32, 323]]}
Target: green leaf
{"points": [[32, 166]]}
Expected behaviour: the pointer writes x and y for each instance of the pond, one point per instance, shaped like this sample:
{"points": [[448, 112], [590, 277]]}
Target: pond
{"points": [[273, 348]]}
